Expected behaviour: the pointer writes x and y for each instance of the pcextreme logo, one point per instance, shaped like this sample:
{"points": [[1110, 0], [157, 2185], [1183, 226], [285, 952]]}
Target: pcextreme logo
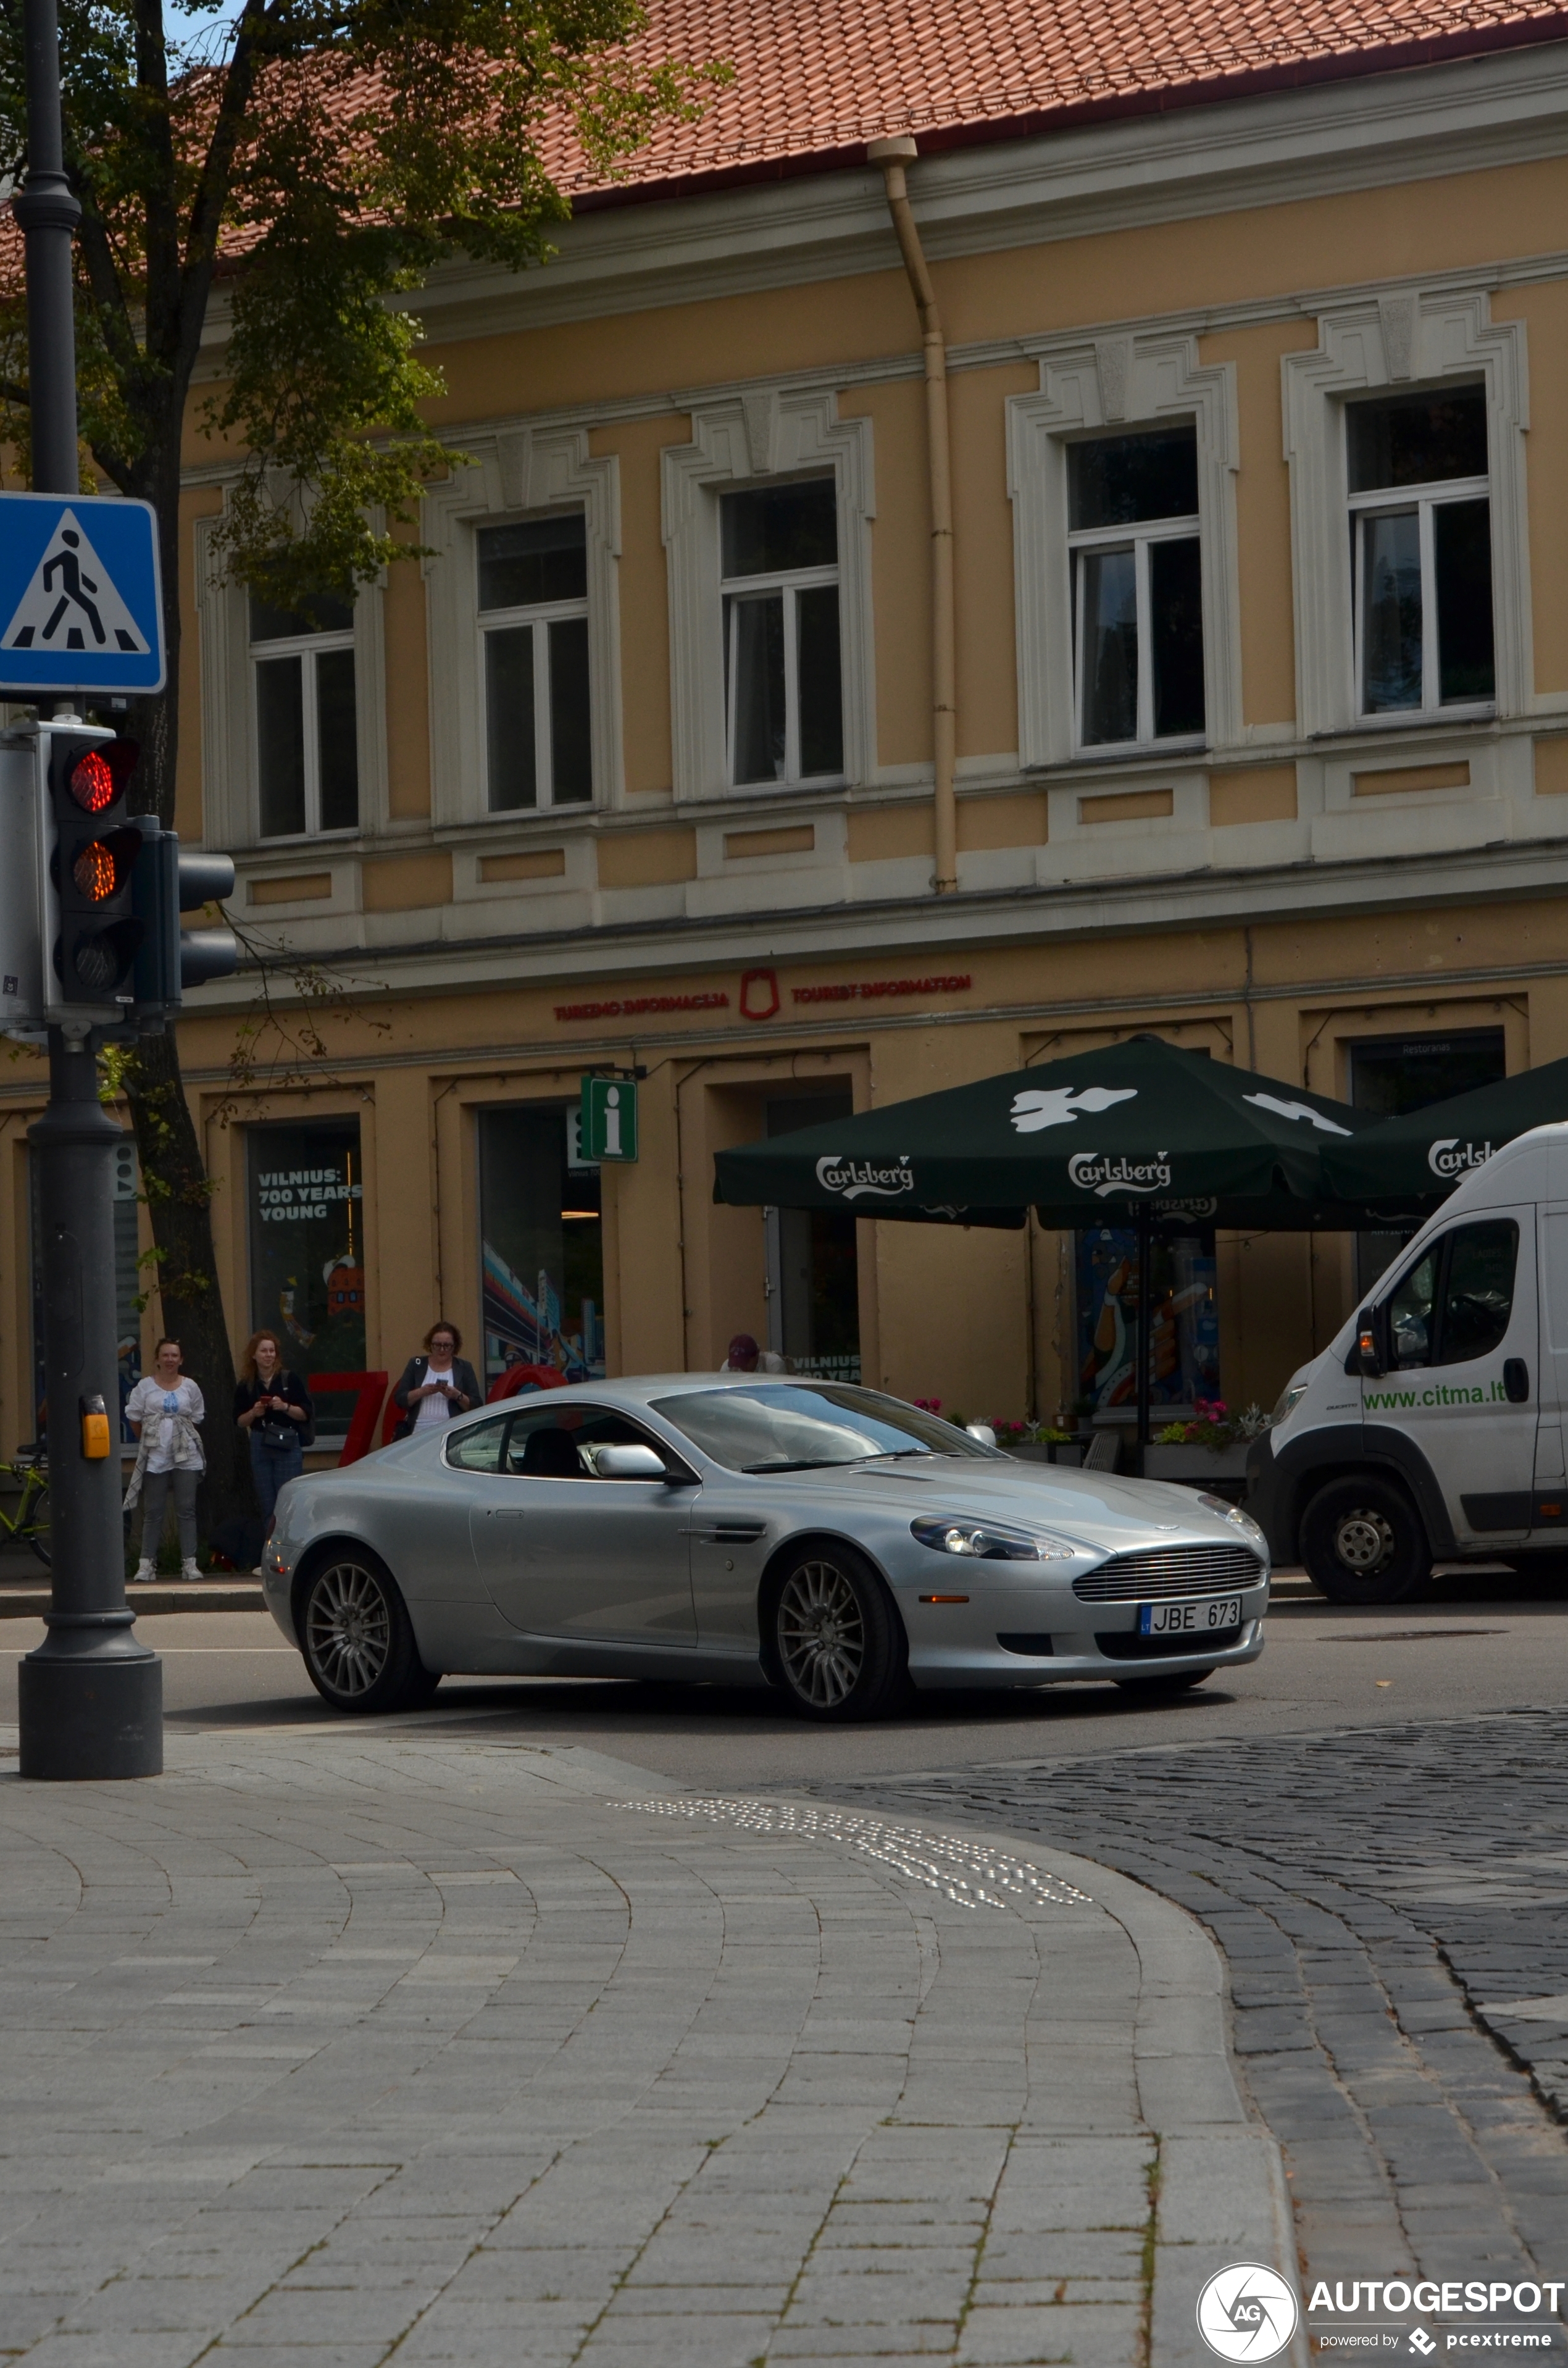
{"points": [[1441, 1393], [1247, 2312]]}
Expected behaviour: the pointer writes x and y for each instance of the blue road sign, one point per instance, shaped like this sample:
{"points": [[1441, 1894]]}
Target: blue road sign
{"points": [[79, 606]]}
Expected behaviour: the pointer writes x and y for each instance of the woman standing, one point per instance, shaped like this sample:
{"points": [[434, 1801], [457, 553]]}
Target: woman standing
{"points": [[274, 1406], [164, 1411], [436, 1386]]}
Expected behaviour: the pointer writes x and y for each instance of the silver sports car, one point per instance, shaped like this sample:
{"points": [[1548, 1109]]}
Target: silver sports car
{"points": [[818, 1537]]}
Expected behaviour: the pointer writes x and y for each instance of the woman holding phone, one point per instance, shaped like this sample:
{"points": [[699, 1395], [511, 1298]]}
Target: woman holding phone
{"points": [[274, 1406]]}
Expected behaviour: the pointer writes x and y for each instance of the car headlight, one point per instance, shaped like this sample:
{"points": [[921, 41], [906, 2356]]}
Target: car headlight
{"points": [[988, 1541], [1290, 1397], [1236, 1517]]}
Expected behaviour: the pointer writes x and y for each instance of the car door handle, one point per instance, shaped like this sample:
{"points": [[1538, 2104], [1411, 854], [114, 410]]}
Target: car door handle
{"points": [[1516, 1381]]}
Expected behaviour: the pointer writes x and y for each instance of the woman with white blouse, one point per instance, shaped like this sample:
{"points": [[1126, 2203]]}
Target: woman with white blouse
{"points": [[163, 1410]]}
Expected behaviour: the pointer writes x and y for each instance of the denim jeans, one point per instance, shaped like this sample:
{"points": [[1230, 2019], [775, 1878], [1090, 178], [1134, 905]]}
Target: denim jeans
{"points": [[271, 1467]]}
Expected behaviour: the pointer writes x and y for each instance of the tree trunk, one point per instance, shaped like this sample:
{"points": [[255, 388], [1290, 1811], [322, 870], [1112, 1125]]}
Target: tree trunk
{"points": [[173, 1176]]}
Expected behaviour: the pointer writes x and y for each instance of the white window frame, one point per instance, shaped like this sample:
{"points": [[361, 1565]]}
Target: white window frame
{"points": [[1137, 538], [307, 648], [520, 469], [1401, 500], [788, 583], [744, 441], [535, 614], [231, 785], [1116, 385], [1396, 341]]}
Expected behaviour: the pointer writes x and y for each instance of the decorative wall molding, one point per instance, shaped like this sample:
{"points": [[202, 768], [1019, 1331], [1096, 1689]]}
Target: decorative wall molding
{"points": [[732, 442], [1112, 381], [1408, 337], [518, 467], [231, 802]]}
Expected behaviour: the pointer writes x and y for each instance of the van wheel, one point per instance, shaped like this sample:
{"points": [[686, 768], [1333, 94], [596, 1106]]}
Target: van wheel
{"points": [[834, 1644], [1362, 1542], [359, 1650]]}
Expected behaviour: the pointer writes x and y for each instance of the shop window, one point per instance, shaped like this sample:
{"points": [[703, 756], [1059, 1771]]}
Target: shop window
{"points": [[533, 621], [784, 697], [813, 1281], [1394, 1075], [542, 1244], [307, 756], [1184, 1335], [307, 1251], [1421, 549], [1136, 558], [129, 1281]]}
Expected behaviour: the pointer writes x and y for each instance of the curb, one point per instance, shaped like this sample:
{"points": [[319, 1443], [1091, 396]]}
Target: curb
{"points": [[169, 1594]]}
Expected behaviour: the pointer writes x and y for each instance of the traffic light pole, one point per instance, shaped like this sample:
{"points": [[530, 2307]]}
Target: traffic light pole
{"points": [[90, 1697]]}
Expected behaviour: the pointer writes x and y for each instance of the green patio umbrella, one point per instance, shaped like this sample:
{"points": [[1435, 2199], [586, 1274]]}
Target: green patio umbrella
{"points": [[1142, 1132], [1406, 1165]]}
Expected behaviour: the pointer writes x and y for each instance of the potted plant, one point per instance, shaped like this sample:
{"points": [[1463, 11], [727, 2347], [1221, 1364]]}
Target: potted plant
{"points": [[1209, 1445], [1036, 1443]]}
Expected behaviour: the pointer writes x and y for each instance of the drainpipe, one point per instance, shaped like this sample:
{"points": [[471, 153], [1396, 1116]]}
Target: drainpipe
{"points": [[892, 154]]}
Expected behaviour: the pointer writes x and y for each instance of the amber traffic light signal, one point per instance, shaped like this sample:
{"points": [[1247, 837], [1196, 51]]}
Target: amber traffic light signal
{"points": [[90, 849]]}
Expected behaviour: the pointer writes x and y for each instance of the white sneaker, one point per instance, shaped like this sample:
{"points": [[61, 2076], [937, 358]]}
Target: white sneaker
{"points": [[188, 1570], [144, 1571]]}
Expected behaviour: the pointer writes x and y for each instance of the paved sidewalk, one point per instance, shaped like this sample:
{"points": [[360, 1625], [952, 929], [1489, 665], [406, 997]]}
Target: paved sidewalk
{"points": [[330, 2046]]}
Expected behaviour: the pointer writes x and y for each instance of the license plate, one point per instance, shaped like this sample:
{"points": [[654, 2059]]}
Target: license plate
{"points": [[1189, 1619]]}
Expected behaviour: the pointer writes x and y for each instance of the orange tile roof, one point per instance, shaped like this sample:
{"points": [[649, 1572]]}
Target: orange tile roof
{"points": [[815, 79]]}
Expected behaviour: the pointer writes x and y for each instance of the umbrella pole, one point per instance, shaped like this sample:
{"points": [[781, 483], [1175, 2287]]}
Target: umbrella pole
{"points": [[1144, 1333]]}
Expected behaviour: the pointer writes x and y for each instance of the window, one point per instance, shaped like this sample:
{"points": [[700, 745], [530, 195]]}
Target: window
{"points": [[307, 1251], [1455, 1303], [306, 730], [533, 619], [1184, 1327], [784, 700], [540, 1244], [1137, 588], [1392, 1075], [562, 1442], [1421, 549], [478, 1450], [814, 1293]]}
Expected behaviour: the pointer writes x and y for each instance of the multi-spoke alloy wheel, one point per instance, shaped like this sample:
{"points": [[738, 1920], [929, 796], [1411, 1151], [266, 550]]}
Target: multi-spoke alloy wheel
{"points": [[1363, 1542], [822, 1638], [360, 1648], [836, 1645]]}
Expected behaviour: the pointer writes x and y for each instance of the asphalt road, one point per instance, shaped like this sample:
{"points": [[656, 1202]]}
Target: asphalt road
{"points": [[1451, 1656]]}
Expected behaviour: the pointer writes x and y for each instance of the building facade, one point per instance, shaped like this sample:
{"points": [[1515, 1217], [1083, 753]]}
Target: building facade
{"points": [[1259, 451]]}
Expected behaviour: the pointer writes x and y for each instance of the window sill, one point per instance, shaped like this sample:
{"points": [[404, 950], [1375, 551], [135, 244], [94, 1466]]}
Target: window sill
{"points": [[1437, 719], [1129, 759]]}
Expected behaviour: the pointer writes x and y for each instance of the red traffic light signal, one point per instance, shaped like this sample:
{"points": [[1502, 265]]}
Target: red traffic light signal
{"points": [[92, 931]]}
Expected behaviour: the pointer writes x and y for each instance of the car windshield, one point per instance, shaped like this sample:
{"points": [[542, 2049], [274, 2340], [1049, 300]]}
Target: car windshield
{"points": [[803, 1426]]}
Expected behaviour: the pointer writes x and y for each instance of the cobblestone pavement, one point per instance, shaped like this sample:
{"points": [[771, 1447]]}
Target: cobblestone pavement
{"points": [[324, 2048], [1393, 1910]]}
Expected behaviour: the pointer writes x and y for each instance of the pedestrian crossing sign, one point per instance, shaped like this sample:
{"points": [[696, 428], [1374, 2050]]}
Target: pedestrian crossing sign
{"points": [[80, 601]]}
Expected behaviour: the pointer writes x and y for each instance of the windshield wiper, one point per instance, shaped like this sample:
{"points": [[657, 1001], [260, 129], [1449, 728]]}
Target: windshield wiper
{"points": [[809, 1464]]}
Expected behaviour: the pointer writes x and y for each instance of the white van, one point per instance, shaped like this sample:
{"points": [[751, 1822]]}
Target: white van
{"points": [[1432, 1428]]}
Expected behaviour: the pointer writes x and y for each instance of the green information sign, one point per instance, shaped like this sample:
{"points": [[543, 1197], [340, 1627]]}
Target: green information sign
{"points": [[609, 1125]]}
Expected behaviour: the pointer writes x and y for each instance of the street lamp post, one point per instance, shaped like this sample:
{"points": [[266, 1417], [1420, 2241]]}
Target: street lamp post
{"points": [[90, 1698]]}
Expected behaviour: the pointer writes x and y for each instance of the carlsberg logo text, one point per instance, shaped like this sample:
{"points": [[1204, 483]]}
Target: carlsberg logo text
{"points": [[854, 1179], [1450, 1157], [1097, 1172]]}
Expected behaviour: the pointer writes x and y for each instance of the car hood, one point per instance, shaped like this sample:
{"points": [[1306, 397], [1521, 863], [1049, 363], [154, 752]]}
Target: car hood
{"points": [[1116, 1516]]}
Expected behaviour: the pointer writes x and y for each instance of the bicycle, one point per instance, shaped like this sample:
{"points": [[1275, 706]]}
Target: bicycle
{"points": [[30, 1526]]}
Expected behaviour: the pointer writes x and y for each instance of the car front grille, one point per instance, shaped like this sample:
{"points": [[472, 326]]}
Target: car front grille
{"points": [[1170, 1570]]}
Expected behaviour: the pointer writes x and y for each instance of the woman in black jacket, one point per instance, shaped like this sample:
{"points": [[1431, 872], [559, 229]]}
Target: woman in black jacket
{"points": [[436, 1386], [274, 1406]]}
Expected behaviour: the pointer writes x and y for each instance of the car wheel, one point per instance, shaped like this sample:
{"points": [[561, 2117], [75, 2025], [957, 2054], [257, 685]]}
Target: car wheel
{"points": [[1178, 1682], [1362, 1542], [835, 1644], [357, 1639]]}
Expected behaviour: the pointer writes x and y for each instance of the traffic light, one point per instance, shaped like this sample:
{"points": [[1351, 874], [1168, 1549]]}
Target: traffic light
{"points": [[89, 850], [168, 884]]}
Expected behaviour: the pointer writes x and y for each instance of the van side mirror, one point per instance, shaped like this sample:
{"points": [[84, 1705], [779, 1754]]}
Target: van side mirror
{"points": [[1368, 1356]]}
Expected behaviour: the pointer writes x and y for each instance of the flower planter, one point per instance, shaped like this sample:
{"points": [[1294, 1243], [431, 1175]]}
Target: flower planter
{"points": [[1196, 1464], [1065, 1452]]}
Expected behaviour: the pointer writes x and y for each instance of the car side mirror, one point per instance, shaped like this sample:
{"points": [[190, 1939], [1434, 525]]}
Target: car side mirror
{"points": [[983, 1431], [631, 1462], [1369, 1359]]}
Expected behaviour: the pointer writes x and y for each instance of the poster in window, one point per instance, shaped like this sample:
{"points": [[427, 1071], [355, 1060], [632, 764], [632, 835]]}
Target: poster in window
{"points": [[1185, 1326], [543, 1282], [307, 1246]]}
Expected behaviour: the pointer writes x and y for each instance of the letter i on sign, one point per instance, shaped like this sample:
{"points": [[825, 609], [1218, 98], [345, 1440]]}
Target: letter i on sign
{"points": [[612, 1123]]}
